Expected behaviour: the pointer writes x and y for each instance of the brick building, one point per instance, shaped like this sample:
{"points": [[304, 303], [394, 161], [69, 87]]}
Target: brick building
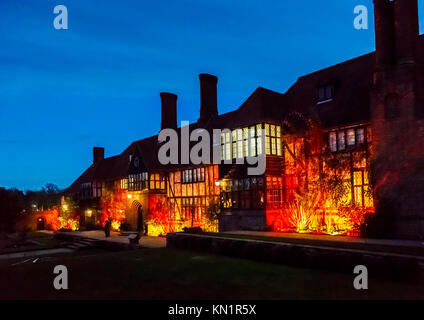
{"points": [[341, 144]]}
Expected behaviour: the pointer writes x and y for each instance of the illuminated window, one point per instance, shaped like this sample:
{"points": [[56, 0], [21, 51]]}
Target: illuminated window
{"points": [[193, 175], [362, 191], [124, 184], [97, 189], [332, 141], [234, 143], [226, 146], [157, 182], [341, 140], [239, 139], [274, 189], [246, 141], [273, 140], [190, 192], [267, 141], [350, 137], [137, 182], [259, 138], [252, 139], [278, 140], [243, 193], [360, 136]]}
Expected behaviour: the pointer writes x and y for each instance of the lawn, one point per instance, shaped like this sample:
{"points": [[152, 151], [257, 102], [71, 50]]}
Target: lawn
{"points": [[32, 241], [171, 274]]}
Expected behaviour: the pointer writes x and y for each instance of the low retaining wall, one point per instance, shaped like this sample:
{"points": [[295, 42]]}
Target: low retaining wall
{"points": [[309, 256]]}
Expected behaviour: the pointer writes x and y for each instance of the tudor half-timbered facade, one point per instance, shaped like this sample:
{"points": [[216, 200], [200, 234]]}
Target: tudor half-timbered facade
{"points": [[322, 141]]}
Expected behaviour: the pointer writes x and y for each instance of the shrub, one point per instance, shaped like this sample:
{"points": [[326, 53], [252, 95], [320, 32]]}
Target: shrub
{"points": [[193, 230]]}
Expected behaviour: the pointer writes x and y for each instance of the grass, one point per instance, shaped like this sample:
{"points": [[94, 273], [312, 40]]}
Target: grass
{"points": [[417, 251], [183, 275], [37, 241]]}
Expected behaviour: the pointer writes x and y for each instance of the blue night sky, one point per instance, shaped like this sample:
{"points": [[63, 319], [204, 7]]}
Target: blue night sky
{"points": [[98, 83]]}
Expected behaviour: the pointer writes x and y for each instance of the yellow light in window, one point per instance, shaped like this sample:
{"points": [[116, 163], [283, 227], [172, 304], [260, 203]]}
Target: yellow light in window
{"points": [[258, 130], [129, 196]]}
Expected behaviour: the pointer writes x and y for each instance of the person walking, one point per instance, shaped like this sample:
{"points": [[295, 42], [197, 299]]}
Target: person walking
{"points": [[107, 228]]}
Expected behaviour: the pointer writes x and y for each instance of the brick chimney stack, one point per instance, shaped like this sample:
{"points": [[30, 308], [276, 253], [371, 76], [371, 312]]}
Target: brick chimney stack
{"points": [[397, 152], [208, 97], [98, 154], [169, 110], [384, 32], [406, 30], [396, 31]]}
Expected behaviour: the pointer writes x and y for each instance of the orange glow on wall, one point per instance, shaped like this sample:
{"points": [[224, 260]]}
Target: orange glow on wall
{"points": [[51, 219], [112, 206], [160, 219], [332, 193]]}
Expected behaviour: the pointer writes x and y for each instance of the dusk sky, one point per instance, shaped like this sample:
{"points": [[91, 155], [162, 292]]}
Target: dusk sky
{"points": [[98, 83]]}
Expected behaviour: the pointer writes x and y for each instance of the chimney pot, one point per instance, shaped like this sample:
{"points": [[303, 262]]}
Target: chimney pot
{"points": [[406, 30], [396, 31], [384, 32], [98, 154], [169, 110], [208, 97]]}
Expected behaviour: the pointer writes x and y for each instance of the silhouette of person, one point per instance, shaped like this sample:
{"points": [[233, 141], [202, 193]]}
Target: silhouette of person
{"points": [[140, 220], [145, 229], [107, 228]]}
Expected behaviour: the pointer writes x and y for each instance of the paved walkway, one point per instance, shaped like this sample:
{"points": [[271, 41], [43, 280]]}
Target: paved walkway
{"points": [[33, 253], [323, 237], [147, 242]]}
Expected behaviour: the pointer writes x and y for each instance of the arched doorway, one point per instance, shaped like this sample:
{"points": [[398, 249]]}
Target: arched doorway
{"points": [[137, 208]]}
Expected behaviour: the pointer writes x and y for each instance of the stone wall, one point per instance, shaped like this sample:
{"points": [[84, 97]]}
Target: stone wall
{"points": [[310, 256], [254, 220]]}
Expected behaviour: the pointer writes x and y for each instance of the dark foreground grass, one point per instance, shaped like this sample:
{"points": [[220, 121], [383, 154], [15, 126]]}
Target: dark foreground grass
{"points": [[170, 274], [35, 241]]}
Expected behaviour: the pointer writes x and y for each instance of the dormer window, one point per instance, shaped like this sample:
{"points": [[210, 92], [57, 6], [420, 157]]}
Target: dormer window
{"points": [[325, 93]]}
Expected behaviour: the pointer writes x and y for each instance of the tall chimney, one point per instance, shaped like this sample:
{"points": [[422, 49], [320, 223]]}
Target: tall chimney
{"points": [[384, 32], [98, 154], [406, 30], [208, 97], [169, 110]]}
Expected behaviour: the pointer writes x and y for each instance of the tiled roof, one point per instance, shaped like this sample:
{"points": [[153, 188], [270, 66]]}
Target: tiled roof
{"points": [[352, 81]]}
